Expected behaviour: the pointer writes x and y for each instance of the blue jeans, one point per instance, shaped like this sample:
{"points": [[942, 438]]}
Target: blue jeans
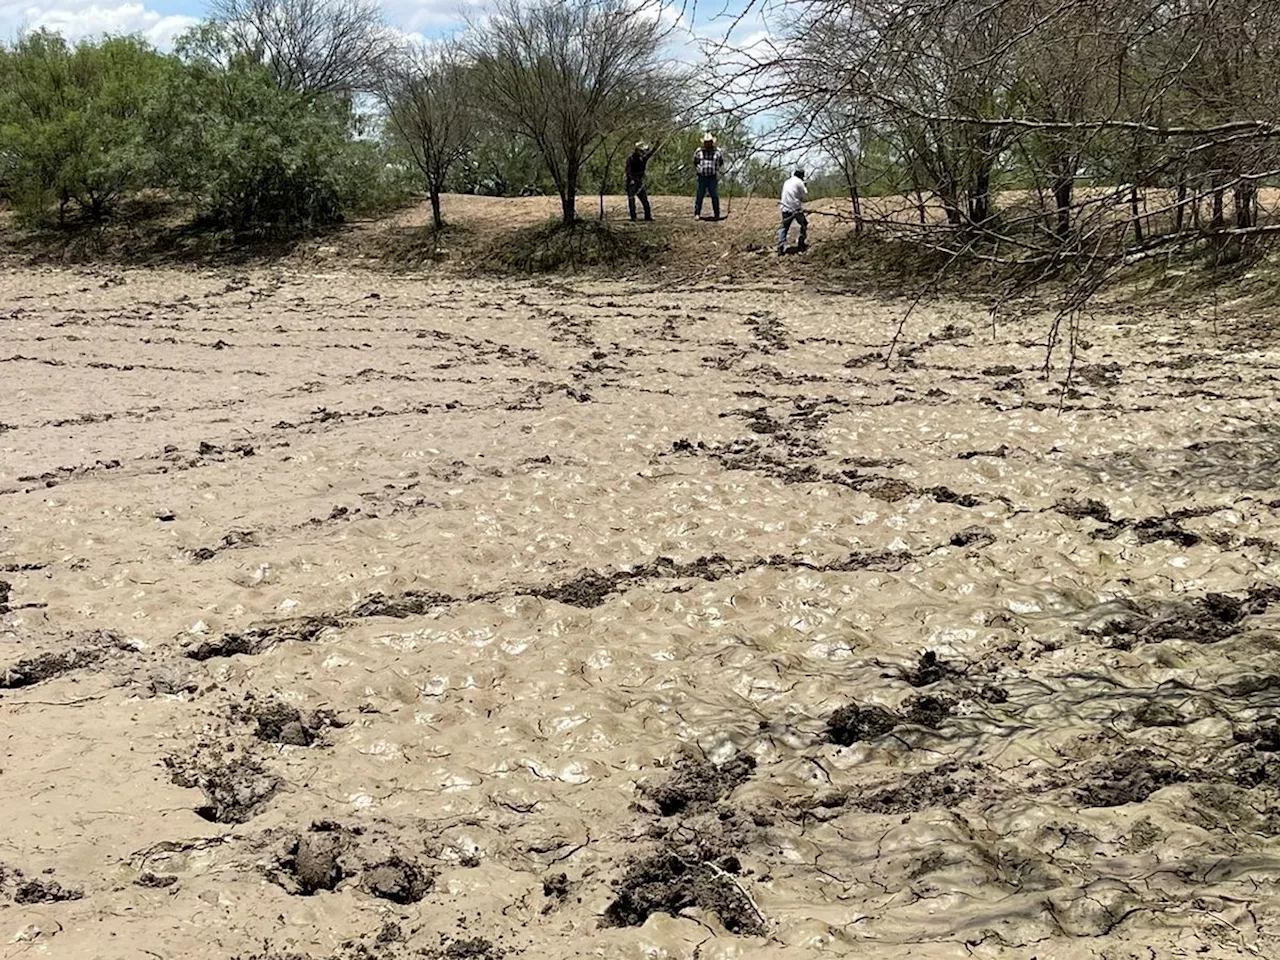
{"points": [[634, 190], [707, 185], [787, 218]]}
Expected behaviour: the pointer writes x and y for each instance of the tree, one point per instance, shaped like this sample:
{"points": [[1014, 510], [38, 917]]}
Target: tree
{"points": [[427, 95], [333, 47], [567, 74], [74, 121], [256, 157]]}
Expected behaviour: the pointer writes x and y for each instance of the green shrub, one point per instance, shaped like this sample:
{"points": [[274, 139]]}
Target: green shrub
{"points": [[74, 122]]}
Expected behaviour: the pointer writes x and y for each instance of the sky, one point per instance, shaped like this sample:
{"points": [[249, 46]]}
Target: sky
{"points": [[161, 21]]}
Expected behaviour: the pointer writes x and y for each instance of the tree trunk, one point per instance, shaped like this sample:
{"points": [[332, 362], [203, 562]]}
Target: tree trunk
{"points": [[1180, 214], [1137, 213], [437, 220], [1063, 186], [568, 207], [1245, 197]]}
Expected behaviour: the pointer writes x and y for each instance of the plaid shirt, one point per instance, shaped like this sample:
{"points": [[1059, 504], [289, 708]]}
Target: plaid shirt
{"points": [[708, 162]]}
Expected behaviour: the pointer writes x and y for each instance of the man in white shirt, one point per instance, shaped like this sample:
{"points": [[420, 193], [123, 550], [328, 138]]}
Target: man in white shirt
{"points": [[794, 194]]}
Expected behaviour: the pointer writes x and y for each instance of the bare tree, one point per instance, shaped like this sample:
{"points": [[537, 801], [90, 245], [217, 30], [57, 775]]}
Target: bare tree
{"points": [[317, 46], [567, 73], [428, 95]]}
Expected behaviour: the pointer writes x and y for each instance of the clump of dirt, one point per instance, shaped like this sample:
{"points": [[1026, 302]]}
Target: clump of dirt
{"points": [[155, 881], [947, 495], [230, 541], [6, 590], [1129, 778], [1000, 452], [927, 711], [590, 587], [476, 948], [313, 861], [398, 880], [890, 490], [556, 886], [974, 536], [945, 785], [1080, 509], [45, 891], [587, 589], [769, 330], [234, 789], [279, 722], [666, 883], [852, 723], [91, 648], [696, 785], [261, 637], [929, 670], [411, 603]]}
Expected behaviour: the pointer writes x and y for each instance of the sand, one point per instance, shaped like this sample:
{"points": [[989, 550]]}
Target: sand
{"points": [[352, 615]]}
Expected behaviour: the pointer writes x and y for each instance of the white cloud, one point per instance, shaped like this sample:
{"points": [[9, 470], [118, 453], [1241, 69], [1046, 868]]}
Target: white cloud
{"points": [[78, 21]]}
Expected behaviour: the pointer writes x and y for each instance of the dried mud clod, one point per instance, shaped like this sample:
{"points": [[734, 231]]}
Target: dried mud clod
{"points": [[261, 637], [974, 536], [667, 883], [929, 670], [698, 785], [314, 860], [398, 880], [851, 723], [154, 881], [89, 649], [278, 722], [926, 710], [590, 588], [44, 891], [411, 603], [234, 789], [1080, 509], [473, 948]]}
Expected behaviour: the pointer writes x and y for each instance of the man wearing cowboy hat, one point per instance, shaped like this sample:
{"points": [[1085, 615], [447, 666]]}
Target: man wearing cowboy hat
{"points": [[707, 161], [636, 164]]}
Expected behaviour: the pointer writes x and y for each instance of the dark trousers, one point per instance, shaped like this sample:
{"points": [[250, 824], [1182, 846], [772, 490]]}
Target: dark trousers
{"points": [[787, 219], [707, 186], [636, 189]]}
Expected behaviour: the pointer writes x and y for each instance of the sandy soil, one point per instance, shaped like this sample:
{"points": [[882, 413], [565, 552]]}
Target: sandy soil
{"points": [[357, 616]]}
